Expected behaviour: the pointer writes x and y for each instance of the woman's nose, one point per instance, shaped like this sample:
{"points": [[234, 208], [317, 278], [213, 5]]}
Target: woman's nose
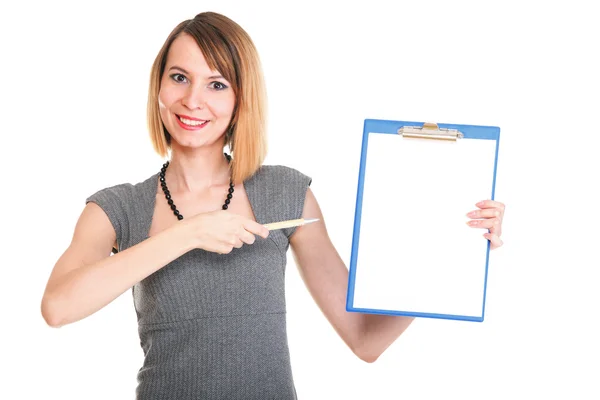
{"points": [[193, 98]]}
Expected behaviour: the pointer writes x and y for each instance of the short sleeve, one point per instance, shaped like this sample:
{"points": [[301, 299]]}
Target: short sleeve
{"points": [[113, 201], [294, 185]]}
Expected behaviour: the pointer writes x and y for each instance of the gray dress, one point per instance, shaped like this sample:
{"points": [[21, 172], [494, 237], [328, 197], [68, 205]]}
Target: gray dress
{"points": [[214, 326]]}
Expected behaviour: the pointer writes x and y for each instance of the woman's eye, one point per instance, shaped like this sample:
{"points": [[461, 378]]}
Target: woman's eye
{"points": [[217, 85], [179, 78]]}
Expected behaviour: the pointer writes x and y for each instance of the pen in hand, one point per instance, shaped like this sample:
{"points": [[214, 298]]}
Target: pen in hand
{"points": [[289, 224]]}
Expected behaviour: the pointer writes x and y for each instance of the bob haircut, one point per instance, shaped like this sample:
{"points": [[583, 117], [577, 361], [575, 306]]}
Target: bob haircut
{"points": [[228, 49]]}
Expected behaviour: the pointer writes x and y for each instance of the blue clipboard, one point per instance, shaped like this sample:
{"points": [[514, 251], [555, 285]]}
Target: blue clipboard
{"points": [[469, 309]]}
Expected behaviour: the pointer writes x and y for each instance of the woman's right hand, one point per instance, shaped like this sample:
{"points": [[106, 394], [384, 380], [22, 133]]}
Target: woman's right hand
{"points": [[221, 231]]}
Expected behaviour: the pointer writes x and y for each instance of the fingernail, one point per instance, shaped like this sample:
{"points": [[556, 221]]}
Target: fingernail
{"points": [[497, 213], [480, 203], [472, 214], [473, 223]]}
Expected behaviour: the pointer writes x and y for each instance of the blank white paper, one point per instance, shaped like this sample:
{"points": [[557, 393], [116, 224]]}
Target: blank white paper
{"points": [[415, 251]]}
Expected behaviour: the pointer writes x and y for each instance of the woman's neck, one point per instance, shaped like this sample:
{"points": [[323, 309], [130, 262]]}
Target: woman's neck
{"points": [[196, 170]]}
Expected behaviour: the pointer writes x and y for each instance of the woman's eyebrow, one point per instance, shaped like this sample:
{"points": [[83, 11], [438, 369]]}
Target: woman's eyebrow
{"points": [[180, 69], [187, 73]]}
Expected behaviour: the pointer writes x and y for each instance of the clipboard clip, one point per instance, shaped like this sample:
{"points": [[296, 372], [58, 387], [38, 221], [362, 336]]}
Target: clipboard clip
{"points": [[430, 130]]}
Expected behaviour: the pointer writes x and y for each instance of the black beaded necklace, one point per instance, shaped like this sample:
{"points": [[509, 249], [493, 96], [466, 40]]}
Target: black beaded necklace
{"points": [[163, 184]]}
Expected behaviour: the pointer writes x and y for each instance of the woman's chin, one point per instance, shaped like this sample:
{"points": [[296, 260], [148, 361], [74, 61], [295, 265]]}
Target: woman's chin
{"points": [[188, 144]]}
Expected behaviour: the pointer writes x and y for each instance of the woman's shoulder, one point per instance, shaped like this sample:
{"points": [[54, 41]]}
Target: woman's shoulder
{"points": [[281, 174], [124, 192]]}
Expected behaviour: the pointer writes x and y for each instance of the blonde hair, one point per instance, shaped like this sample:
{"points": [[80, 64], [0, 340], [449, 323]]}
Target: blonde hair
{"points": [[228, 49]]}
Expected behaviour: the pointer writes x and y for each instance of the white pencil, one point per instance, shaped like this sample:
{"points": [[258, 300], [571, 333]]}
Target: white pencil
{"points": [[290, 223]]}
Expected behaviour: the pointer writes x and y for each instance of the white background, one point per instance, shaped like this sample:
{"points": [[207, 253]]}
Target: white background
{"points": [[74, 84]]}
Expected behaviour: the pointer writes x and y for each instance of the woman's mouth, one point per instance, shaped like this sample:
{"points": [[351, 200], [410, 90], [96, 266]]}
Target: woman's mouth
{"points": [[191, 124]]}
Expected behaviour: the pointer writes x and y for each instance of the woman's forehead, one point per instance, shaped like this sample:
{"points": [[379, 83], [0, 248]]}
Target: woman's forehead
{"points": [[185, 54]]}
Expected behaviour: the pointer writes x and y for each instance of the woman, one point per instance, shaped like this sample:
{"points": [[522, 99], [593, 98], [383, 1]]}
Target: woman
{"points": [[207, 277]]}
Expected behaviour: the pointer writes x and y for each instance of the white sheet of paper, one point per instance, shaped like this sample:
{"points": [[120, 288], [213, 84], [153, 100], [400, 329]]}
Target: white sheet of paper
{"points": [[415, 251]]}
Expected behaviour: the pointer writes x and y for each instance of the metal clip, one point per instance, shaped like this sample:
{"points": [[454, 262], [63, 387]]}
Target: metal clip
{"points": [[430, 130]]}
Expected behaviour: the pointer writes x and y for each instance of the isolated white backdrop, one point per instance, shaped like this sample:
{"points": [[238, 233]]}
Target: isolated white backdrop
{"points": [[74, 83]]}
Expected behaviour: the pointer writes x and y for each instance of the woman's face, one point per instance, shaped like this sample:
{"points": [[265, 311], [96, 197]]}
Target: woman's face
{"points": [[196, 103]]}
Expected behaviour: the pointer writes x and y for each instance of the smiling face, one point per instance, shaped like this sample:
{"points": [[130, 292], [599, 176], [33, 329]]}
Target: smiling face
{"points": [[196, 103]]}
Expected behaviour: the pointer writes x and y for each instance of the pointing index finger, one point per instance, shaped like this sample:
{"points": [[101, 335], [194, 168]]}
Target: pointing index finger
{"points": [[256, 228]]}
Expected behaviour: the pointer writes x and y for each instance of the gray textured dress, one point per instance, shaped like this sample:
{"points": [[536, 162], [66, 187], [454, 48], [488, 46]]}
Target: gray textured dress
{"points": [[214, 326]]}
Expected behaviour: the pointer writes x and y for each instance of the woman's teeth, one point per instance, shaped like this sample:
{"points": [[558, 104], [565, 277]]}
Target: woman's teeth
{"points": [[191, 122]]}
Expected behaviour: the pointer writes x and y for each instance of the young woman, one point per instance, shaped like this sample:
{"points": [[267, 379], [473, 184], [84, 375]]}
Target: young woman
{"points": [[207, 277]]}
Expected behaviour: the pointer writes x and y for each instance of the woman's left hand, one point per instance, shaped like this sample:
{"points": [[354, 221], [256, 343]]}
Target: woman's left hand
{"points": [[489, 216]]}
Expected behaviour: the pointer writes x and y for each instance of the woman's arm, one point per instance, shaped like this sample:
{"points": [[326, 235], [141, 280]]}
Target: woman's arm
{"points": [[326, 277], [85, 278]]}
